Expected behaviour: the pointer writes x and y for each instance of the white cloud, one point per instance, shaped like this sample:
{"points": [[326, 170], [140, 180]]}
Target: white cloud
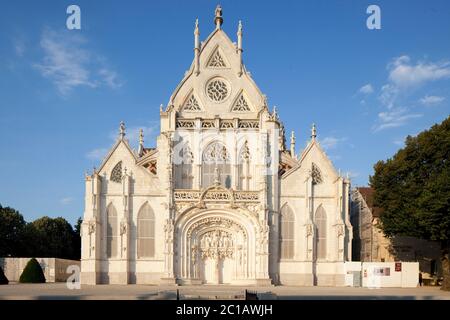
{"points": [[132, 135], [19, 47], [431, 100], [331, 142], [353, 174], [110, 78], [69, 64], [335, 157], [97, 154], [399, 142], [405, 74], [388, 95], [149, 133], [366, 89], [66, 200], [404, 77], [394, 118]]}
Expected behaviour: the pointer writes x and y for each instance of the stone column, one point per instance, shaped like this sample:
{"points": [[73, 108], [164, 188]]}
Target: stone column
{"points": [[169, 276], [91, 232], [349, 233], [262, 270], [124, 230]]}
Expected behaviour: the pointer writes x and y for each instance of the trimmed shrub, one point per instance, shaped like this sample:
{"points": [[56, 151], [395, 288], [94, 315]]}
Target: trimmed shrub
{"points": [[32, 273], [3, 278]]}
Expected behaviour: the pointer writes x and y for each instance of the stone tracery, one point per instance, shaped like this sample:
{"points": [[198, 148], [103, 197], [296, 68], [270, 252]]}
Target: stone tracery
{"points": [[217, 244], [216, 60], [116, 173], [191, 104], [217, 90]]}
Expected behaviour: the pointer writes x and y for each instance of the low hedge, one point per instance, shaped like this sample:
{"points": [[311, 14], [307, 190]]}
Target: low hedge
{"points": [[32, 273], [3, 278]]}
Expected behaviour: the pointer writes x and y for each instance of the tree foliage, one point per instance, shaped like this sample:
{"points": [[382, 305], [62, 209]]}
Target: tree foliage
{"points": [[413, 187], [413, 190], [44, 237], [12, 227], [53, 237]]}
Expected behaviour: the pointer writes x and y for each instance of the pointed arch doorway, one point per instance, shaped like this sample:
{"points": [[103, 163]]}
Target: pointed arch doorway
{"points": [[216, 246], [218, 252]]}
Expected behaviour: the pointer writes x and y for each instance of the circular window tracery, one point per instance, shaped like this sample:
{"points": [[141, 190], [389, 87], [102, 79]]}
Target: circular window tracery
{"points": [[217, 90]]}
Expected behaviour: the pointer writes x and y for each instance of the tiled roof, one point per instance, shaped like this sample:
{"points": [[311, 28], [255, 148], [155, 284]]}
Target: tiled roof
{"points": [[368, 193]]}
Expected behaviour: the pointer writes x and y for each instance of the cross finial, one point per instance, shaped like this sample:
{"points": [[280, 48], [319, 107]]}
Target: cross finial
{"points": [[122, 130], [218, 20], [313, 131], [141, 142], [141, 136], [293, 144]]}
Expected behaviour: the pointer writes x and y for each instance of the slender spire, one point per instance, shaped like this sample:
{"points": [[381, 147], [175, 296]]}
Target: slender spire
{"points": [[122, 130], [218, 20], [141, 142], [239, 46], [313, 132], [292, 144], [197, 47], [239, 34], [196, 35]]}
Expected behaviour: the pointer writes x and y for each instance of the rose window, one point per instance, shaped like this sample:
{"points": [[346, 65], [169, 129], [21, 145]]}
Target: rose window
{"points": [[217, 90]]}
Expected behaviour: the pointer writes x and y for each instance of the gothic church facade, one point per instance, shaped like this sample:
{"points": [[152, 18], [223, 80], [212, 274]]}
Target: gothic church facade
{"points": [[221, 199]]}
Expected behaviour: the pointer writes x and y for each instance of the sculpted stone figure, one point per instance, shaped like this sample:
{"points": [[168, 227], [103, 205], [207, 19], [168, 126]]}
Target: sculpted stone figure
{"points": [[218, 11]]}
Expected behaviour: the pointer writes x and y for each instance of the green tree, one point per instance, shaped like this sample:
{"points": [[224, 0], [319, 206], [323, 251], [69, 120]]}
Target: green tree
{"points": [[12, 226], [77, 239], [413, 189], [53, 238]]}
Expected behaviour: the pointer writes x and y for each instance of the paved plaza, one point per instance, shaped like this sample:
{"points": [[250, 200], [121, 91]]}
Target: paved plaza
{"points": [[59, 291]]}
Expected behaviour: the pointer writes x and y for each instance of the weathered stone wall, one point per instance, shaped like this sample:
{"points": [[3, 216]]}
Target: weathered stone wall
{"points": [[55, 270]]}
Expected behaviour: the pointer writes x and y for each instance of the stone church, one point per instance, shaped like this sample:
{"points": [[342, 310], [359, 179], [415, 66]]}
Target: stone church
{"points": [[221, 199]]}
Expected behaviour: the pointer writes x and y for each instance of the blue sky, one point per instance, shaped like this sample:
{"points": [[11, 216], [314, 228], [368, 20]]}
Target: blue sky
{"points": [[63, 93]]}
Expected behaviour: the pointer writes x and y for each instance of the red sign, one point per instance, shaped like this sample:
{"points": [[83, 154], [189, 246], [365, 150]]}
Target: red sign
{"points": [[398, 266]]}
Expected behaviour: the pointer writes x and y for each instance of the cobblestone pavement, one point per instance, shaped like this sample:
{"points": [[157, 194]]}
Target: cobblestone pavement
{"points": [[148, 292]]}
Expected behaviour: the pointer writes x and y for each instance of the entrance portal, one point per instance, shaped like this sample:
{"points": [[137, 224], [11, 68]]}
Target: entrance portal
{"points": [[215, 271], [216, 249], [217, 253]]}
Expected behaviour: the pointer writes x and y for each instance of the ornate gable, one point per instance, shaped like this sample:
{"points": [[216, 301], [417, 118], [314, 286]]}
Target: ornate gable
{"points": [[241, 104], [191, 104], [217, 60], [220, 83]]}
